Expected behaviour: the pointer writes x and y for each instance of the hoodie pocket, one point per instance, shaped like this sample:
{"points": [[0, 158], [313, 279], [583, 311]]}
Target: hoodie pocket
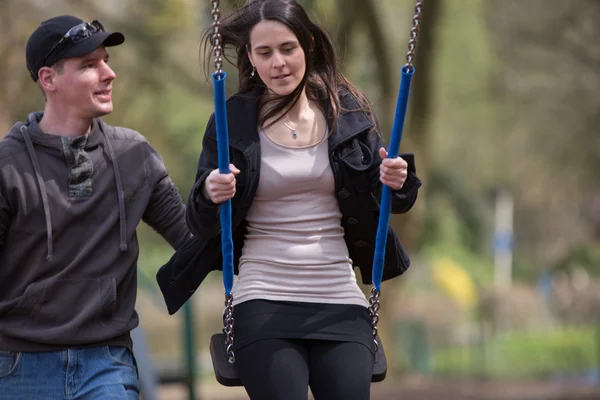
{"points": [[62, 301], [68, 311], [29, 300]]}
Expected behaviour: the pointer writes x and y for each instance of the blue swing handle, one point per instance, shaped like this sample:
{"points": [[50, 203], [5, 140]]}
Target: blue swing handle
{"points": [[223, 164], [386, 192]]}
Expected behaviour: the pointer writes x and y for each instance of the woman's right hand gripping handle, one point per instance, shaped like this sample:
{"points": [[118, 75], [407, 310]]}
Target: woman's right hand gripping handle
{"points": [[220, 187]]}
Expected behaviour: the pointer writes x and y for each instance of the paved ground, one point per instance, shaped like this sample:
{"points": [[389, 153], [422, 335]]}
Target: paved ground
{"points": [[423, 390]]}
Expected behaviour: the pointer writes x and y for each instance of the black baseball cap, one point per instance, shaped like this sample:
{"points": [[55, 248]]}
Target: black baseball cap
{"points": [[65, 37]]}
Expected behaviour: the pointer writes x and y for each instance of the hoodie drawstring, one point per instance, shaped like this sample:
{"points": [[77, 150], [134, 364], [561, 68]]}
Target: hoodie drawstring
{"points": [[120, 194], [42, 189]]}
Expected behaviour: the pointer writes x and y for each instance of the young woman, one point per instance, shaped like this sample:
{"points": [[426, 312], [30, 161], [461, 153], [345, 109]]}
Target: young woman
{"points": [[307, 166]]}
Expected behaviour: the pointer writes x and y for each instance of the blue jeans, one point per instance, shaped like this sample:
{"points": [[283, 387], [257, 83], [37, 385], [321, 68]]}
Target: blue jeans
{"points": [[105, 372]]}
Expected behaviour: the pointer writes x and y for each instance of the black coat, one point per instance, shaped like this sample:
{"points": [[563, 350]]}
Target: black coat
{"points": [[354, 156]]}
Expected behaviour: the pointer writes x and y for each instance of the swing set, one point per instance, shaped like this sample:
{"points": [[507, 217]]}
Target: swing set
{"points": [[221, 344]]}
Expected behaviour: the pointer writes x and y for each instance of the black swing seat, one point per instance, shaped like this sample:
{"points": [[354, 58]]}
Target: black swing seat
{"points": [[226, 373]]}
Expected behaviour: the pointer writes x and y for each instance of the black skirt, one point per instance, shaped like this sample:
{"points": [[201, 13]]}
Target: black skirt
{"points": [[264, 319]]}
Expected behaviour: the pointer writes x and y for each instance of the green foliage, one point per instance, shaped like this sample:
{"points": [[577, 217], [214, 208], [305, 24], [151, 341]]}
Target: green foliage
{"points": [[526, 355], [583, 255], [153, 256], [172, 14]]}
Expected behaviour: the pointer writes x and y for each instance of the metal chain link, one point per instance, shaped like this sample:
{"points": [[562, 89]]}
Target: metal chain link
{"points": [[374, 302], [216, 39], [228, 327], [374, 305], [414, 33]]}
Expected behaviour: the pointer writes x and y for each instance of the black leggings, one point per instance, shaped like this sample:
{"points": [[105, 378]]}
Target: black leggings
{"points": [[283, 369]]}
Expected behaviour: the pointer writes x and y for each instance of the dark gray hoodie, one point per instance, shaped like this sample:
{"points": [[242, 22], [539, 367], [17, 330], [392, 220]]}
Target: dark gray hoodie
{"points": [[69, 210]]}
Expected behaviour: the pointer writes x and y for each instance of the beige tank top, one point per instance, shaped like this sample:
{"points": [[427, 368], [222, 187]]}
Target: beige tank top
{"points": [[294, 249]]}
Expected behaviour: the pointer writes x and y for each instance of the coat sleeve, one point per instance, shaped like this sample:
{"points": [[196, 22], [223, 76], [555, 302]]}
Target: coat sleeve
{"points": [[165, 212], [405, 198], [202, 214]]}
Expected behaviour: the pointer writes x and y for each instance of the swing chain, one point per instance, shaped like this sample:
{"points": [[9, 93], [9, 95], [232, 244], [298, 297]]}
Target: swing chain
{"points": [[374, 306], [216, 38], [228, 327], [414, 33]]}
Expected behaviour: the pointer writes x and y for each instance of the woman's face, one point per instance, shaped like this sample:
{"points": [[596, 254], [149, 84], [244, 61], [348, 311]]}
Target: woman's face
{"points": [[277, 55]]}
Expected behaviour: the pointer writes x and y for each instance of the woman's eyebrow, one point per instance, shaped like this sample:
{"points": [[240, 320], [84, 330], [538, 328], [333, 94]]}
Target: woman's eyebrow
{"points": [[264, 47]]}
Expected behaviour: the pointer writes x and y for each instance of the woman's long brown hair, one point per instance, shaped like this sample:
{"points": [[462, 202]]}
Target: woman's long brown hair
{"points": [[323, 80]]}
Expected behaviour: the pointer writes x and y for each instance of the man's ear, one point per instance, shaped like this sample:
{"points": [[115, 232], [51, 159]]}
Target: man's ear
{"points": [[47, 79]]}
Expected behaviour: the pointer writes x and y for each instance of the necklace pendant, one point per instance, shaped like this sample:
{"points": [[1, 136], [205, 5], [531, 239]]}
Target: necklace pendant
{"points": [[294, 136]]}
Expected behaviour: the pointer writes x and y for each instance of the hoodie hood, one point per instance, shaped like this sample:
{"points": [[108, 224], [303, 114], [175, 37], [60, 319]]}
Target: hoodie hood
{"points": [[55, 141], [30, 133]]}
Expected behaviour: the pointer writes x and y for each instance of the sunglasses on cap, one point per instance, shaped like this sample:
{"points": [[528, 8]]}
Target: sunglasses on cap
{"points": [[75, 35]]}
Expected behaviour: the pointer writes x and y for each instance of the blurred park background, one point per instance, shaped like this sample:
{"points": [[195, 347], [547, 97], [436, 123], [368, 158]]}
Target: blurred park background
{"points": [[502, 299]]}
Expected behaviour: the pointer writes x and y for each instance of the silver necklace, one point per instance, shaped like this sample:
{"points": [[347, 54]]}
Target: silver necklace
{"points": [[294, 135]]}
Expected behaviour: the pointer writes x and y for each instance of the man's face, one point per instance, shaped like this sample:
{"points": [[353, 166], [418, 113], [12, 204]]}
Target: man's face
{"points": [[84, 88]]}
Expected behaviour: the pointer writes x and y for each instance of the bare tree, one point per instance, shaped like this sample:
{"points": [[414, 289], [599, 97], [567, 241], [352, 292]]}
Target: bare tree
{"points": [[549, 78]]}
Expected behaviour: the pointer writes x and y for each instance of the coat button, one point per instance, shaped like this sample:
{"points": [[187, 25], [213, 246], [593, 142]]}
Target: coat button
{"points": [[352, 221], [360, 243], [344, 193]]}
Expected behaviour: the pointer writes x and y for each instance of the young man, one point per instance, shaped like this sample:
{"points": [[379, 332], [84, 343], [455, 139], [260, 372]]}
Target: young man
{"points": [[72, 192]]}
